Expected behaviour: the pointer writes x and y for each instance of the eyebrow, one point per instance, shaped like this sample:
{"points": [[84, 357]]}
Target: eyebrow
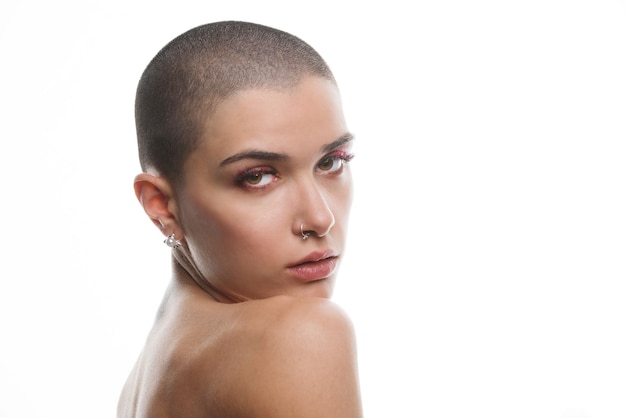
{"points": [[275, 156], [344, 139]]}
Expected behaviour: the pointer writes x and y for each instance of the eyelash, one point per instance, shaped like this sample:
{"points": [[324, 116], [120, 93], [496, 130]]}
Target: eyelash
{"points": [[243, 178], [342, 156]]}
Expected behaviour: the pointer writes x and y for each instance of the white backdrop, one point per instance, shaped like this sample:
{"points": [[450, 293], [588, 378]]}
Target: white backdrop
{"points": [[486, 267]]}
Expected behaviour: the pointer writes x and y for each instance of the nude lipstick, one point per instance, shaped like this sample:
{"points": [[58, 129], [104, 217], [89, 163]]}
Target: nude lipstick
{"points": [[316, 266]]}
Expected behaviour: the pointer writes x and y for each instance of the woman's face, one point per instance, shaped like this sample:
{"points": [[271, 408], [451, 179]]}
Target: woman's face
{"points": [[271, 162]]}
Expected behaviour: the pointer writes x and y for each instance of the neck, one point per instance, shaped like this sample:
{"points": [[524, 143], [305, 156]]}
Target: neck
{"points": [[183, 266]]}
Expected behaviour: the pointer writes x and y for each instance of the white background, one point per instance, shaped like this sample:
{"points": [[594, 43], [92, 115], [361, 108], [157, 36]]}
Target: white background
{"points": [[486, 264]]}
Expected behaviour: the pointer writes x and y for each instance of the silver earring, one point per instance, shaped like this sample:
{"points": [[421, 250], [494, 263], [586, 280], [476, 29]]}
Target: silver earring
{"points": [[305, 235], [172, 242]]}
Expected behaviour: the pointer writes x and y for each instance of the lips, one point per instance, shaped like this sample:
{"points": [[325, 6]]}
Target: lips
{"points": [[316, 266]]}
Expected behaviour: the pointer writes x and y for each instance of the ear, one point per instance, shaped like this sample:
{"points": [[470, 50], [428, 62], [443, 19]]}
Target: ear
{"points": [[157, 199]]}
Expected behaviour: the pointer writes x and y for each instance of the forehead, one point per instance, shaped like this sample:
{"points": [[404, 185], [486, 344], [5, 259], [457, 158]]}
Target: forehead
{"points": [[276, 119]]}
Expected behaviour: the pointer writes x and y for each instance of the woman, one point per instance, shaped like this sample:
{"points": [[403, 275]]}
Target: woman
{"points": [[244, 151]]}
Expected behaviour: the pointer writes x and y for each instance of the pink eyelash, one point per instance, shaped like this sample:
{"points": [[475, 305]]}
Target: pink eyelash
{"points": [[344, 155]]}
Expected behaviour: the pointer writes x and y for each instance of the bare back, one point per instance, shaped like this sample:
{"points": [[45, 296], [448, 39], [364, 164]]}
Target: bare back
{"points": [[275, 357]]}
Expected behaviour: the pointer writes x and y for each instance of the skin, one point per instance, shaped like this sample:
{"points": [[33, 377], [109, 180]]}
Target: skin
{"points": [[286, 350]]}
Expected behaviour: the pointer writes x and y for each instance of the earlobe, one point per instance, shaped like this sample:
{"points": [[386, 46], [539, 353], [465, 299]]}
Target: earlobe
{"points": [[155, 196]]}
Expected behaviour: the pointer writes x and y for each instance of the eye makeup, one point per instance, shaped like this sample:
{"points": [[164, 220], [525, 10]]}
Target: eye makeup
{"points": [[334, 162], [256, 177]]}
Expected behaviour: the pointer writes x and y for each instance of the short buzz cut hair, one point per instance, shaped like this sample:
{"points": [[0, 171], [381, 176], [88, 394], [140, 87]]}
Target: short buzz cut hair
{"points": [[193, 73]]}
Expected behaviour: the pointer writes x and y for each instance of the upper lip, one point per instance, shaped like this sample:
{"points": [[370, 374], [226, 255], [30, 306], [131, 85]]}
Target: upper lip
{"points": [[315, 256]]}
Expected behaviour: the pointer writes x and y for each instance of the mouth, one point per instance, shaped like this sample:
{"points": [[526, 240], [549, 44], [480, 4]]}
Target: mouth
{"points": [[316, 266]]}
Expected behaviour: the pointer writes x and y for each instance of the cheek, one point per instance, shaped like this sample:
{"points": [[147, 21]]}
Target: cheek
{"points": [[234, 226], [349, 194], [342, 197]]}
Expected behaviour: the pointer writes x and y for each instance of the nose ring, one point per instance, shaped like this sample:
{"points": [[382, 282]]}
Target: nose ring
{"points": [[305, 235]]}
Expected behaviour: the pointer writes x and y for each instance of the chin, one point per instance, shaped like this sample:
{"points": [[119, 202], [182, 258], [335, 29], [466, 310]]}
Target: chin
{"points": [[319, 289]]}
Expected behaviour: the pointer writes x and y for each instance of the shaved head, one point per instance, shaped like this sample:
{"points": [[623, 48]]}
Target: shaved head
{"points": [[191, 75]]}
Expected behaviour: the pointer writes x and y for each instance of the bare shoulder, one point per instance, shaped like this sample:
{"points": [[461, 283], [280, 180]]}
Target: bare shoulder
{"points": [[303, 327], [294, 357], [301, 316], [275, 357]]}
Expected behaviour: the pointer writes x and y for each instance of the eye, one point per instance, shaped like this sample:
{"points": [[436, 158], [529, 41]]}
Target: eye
{"points": [[256, 178], [334, 163]]}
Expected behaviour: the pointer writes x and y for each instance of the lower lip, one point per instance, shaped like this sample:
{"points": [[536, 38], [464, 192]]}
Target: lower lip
{"points": [[318, 270]]}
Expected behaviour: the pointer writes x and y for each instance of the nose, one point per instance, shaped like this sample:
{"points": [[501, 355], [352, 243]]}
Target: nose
{"points": [[314, 215]]}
